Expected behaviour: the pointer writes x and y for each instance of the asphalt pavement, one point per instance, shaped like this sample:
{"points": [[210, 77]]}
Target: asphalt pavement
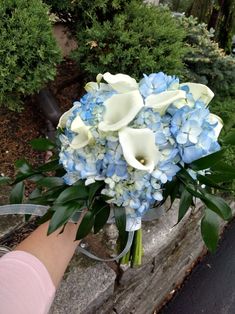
{"points": [[210, 288]]}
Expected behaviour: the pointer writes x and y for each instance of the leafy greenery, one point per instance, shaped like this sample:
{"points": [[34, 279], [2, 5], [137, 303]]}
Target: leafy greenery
{"points": [[206, 62], [80, 14], [28, 53], [134, 42]]}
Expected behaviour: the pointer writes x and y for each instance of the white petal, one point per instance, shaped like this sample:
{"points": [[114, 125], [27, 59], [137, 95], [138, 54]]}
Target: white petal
{"points": [[213, 118], [77, 124], [120, 109], [139, 148], [200, 91], [99, 77], [83, 138], [122, 83], [64, 118], [94, 87], [160, 102]]}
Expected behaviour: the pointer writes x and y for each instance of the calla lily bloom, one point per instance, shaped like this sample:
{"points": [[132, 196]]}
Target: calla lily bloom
{"points": [[76, 124], [213, 118], [93, 87], [139, 148], [199, 92], [64, 118], [160, 102], [83, 138], [121, 83], [120, 109]]}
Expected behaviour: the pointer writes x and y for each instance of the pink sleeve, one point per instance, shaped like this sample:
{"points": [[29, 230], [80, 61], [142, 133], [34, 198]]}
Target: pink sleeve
{"points": [[25, 284]]}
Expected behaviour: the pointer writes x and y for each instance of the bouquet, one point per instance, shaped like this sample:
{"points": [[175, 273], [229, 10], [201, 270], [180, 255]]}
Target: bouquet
{"points": [[122, 150]]}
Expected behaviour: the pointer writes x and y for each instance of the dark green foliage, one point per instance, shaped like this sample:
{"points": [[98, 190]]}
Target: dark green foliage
{"points": [[225, 108], [135, 42], [79, 14], [28, 53], [206, 63]]}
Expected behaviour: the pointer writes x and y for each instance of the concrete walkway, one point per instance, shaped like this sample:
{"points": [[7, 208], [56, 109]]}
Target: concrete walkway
{"points": [[210, 289]]}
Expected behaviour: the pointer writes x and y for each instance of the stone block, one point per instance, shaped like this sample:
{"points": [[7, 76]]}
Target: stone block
{"points": [[85, 287]]}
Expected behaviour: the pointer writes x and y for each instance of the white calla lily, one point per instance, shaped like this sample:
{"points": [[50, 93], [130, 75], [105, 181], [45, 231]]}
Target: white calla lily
{"points": [[160, 102], [99, 77], [120, 109], [76, 124], [139, 148], [213, 118], [92, 87], [121, 83], [63, 119], [83, 138], [199, 91]]}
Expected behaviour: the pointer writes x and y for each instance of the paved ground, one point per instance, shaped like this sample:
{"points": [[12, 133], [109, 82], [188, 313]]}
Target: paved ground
{"points": [[210, 289]]}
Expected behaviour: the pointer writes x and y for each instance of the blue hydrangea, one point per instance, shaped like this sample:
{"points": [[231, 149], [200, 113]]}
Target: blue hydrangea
{"points": [[193, 132], [181, 135], [156, 83]]}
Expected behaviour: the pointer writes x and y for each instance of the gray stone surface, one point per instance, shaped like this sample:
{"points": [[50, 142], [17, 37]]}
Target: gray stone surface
{"points": [[8, 223], [86, 286], [168, 254]]}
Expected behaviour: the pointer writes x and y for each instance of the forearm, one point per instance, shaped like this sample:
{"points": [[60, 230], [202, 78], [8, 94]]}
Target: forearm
{"points": [[54, 251]]}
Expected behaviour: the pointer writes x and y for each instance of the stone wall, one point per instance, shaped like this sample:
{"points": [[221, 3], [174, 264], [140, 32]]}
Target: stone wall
{"points": [[170, 251]]}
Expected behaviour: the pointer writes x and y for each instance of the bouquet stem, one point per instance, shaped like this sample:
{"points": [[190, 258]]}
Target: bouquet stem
{"points": [[134, 255]]}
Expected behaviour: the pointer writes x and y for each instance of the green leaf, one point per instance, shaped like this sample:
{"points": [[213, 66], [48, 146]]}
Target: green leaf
{"points": [[171, 189], [221, 177], [218, 205], [42, 144], [85, 226], [93, 189], [193, 190], [222, 168], [50, 182], [208, 182], [230, 138], [210, 229], [75, 192], [49, 166], [17, 193], [36, 193], [185, 176], [185, 202], [24, 167], [207, 161], [4, 180], [62, 213], [47, 216], [49, 196], [120, 219], [101, 218]]}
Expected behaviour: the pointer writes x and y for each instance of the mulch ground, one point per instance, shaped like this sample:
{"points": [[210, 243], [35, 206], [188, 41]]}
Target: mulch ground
{"points": [[17, 129]]}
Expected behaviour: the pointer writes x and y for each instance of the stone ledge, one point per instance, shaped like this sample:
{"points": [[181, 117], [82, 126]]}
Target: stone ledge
{"points": [[85, 287]]}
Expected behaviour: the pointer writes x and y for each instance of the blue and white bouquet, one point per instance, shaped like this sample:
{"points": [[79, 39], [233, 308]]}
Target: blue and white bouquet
{"points": [[125, 147]]}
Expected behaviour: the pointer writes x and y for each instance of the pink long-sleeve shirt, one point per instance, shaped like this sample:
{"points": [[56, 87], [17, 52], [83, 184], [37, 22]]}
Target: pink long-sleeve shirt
{"points": [[25, 285]]}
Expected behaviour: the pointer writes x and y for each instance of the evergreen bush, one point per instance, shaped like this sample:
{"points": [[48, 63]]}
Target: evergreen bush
{"points": [[141, 39], [28, 52], [206, 62], [78, 14]]}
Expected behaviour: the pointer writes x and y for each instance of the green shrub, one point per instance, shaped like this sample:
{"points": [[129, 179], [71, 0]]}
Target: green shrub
{"points": [[141, 39], [206, 62], [225, 108], [28, 52], [81, 13]]}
